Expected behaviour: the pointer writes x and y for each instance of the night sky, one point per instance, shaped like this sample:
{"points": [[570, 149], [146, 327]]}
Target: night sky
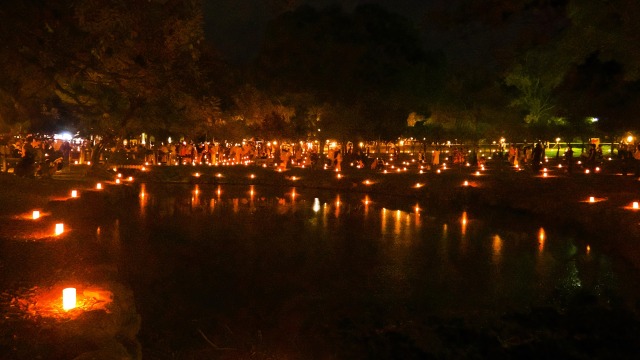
{"points": [[236, 27]]}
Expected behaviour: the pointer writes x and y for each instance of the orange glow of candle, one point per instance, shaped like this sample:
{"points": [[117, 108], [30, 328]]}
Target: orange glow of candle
{"points": [[592, 199], [68, 298], [99, 186], [36, 214], [466, 183], [635, 205], [117, 181], [74, 193]]}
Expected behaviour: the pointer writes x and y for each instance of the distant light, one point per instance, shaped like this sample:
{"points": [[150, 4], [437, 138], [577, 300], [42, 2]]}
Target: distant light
{"points": [[65, 136], [36, 214], [592, 199]]}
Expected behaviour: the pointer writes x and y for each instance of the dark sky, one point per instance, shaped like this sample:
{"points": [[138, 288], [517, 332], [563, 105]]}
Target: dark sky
{"points": [[236, 27]]}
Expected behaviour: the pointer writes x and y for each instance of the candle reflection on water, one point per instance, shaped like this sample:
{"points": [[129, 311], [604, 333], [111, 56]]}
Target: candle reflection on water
{"points": [[366, 202], [143, 198], [496, 248], [463, 223]]}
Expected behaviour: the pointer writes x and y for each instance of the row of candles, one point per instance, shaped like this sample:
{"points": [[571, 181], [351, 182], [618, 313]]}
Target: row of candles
{"points": [[69, 297]]}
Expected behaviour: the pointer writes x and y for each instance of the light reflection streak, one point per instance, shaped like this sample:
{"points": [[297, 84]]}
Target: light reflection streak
{"points": [[397, 223], [542, 237], [143, 199], [463, 222], [383, 221], [496, 249], [366, 202], [195, 199]]}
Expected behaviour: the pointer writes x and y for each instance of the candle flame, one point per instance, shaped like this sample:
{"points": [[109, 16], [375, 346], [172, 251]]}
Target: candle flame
{"points": [[59, 228], [68, 298], [36, 214]]}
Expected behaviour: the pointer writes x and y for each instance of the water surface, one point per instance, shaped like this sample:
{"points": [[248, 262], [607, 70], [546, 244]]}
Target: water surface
{"points": [[300, 272]]}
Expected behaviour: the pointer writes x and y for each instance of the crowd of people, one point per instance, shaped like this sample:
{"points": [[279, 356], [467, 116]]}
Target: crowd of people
{"points": [[44, 156]]}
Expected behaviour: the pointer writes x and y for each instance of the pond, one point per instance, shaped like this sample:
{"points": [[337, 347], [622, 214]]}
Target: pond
{"points": [[303, 273]]}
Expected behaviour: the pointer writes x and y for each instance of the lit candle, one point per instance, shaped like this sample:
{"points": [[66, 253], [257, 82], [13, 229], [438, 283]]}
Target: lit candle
{"points": [[117, 181], [636, 205], [466, 183], [59, 228], [68, 298], [36, 214], [544, 175], [592, 199], [74, 193], [99, 186]]}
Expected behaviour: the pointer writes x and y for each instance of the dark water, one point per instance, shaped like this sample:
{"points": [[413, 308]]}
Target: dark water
{"points": [[271, 273]]}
